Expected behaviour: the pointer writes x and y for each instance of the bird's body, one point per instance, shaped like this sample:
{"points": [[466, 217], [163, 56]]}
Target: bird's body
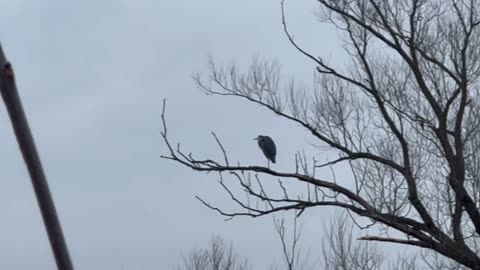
{"points": [[268, 147]]}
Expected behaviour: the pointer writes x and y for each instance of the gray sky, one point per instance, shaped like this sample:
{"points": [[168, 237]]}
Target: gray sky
{"points": [[92, 76]]}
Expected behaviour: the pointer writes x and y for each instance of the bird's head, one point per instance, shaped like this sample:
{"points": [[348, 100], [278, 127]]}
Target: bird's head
{"points": [[259, 137]]}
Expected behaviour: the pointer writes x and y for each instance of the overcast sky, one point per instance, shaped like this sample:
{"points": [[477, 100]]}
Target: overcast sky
{"points": [[92, 76]]}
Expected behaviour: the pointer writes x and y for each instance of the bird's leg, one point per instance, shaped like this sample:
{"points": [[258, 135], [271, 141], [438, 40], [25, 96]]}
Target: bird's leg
{"points": [[268, 163]]}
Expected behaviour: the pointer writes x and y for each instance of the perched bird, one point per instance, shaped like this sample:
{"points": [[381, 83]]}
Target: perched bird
{"points": [[268, 147]]}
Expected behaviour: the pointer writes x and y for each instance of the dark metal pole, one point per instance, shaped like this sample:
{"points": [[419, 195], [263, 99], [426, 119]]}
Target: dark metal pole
{"points": [[25, 141]]}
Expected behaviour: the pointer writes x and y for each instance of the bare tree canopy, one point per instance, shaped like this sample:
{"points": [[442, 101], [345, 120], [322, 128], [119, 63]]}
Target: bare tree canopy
{"points": [[293, 257], [340, 251], [217, 256], [403, 116]]}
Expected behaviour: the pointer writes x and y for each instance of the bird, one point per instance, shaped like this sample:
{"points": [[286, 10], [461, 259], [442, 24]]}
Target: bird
{"points": [[268, 147]]}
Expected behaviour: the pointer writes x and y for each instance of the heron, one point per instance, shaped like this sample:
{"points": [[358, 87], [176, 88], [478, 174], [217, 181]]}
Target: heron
{"points": [[268, 147]]}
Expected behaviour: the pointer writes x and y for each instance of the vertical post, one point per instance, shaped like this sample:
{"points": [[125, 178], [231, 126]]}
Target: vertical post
{"points": [[26, 143]]}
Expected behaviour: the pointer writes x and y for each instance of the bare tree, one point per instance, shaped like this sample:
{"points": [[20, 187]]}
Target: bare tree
{"points": [[217, 256], [294, 258], [403, 116], [342, 252]]}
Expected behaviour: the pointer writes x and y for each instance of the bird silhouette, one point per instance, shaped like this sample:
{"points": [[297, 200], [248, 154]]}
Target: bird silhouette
{"points": [[268, 148]]}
